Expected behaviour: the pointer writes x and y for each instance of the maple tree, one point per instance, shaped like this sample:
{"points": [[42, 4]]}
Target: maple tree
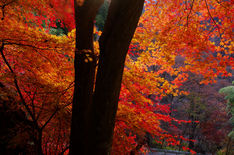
{"points": [[39, 66], [178, 31], [29, 66]]}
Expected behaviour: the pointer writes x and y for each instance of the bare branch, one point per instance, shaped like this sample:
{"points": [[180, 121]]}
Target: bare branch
{"points": [[41, 108], [26, 45], [32, 101], [16, 83], [50, 118], [3, 8], [190, 11], [220, 3], [64, 150], [213, 19]]}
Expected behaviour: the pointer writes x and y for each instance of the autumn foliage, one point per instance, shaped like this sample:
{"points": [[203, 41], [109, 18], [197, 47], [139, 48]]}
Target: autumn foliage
{"points": [[38, 66]]}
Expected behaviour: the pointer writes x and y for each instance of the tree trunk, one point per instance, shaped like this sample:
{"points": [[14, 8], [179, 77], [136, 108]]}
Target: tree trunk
{"points": [[38, 143], [93, 114], [119, 29], [85, 64]]}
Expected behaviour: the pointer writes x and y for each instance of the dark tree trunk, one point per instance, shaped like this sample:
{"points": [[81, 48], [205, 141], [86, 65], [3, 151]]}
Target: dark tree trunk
{"points": [[119, 29], [93, 120], [38, 143], [85, 64]]}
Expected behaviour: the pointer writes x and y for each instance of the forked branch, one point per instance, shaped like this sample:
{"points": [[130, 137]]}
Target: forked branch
{"points": [[213, 19], [16, 83]]}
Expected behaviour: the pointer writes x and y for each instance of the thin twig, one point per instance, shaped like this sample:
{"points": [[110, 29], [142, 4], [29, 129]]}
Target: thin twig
{"points": [[43, 126], [213, 19], [221, 4], [3, 8], [190, 11], [41, 108], [57, 108], [32, 101], [64, 150], [16, 83], [26, 45]]}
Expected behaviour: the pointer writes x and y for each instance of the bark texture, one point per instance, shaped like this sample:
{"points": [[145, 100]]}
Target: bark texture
{"points": [[85, 64], [119, 29], [93, 113]]}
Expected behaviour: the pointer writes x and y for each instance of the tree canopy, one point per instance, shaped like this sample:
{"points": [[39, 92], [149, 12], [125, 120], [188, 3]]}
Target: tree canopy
{"points": [[48, 49]]}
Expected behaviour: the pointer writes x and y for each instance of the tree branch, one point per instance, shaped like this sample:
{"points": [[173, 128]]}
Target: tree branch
{"points": [[57, 109], [16, 84], [64, 150], [32, 102], [213, 19], [41, 109], [3, 8], [191, 7]]}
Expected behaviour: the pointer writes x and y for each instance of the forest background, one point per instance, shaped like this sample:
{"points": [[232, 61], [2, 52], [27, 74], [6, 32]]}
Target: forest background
{"points": [[181, 55]]}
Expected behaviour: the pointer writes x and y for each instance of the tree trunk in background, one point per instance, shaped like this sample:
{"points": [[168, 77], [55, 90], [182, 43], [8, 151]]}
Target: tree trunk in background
{"points": [[119, 29], [85, 64], [93, 114]]}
